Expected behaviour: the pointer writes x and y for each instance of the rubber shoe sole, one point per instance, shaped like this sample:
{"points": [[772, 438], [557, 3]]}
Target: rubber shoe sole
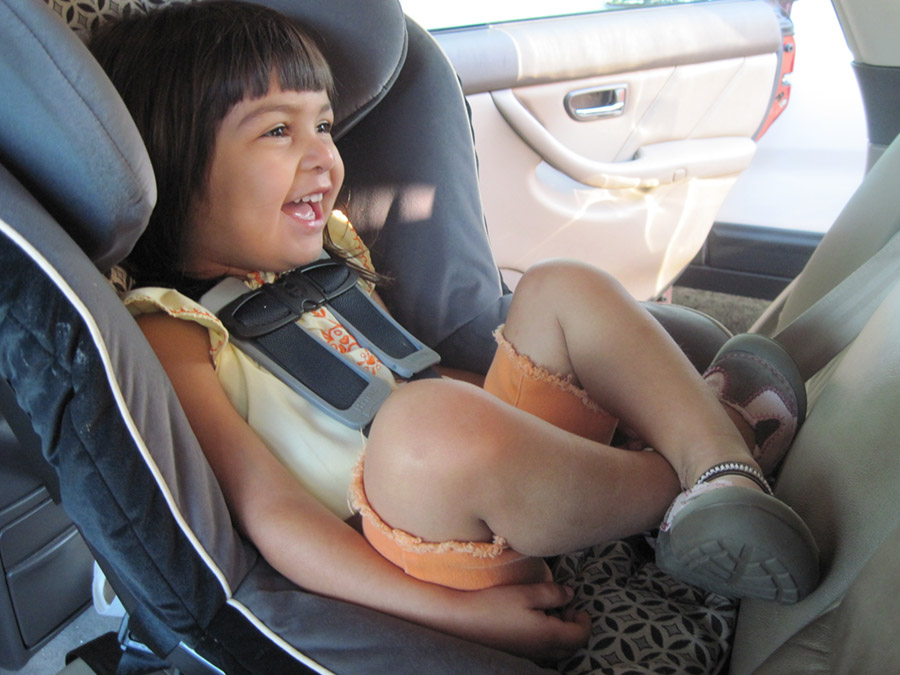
{"points": [[741, 543]]}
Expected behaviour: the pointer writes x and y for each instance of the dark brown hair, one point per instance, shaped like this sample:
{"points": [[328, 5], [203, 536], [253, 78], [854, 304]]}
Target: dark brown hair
{"points": [[180, 70]]}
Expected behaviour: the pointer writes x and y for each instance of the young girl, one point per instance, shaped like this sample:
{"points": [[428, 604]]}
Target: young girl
{"points": [[461, 490]]}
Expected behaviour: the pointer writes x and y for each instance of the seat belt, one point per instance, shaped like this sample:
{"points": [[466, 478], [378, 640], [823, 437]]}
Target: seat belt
{"points": [[825, 328], [263, 324]]}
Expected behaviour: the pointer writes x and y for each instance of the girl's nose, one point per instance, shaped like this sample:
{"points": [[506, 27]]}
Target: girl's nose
{"points": [[318, 156]]}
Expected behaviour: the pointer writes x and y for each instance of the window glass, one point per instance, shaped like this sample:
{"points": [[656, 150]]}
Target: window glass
{"points": [[434, 14]]}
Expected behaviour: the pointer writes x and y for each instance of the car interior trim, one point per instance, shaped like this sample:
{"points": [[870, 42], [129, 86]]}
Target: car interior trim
{"points": [[603, 43], [653, 165], [880, 89], [869, 28], [749, 260]]}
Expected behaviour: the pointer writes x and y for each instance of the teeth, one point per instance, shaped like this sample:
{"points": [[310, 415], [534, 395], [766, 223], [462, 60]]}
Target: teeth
{"points": [[310, 198]]}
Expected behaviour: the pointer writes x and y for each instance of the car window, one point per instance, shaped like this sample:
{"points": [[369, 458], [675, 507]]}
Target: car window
{"points": [[436, 15]]}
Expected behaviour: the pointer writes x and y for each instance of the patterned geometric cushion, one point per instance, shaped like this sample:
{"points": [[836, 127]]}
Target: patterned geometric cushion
{"points": [[643, 621], [83, 17]]}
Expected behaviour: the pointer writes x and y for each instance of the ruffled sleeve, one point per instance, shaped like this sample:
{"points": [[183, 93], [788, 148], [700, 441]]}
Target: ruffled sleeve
{"points": [[154, 299]]}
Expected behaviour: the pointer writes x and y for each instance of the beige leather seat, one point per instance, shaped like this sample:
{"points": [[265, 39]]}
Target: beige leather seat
{"points": [[843, 472]]}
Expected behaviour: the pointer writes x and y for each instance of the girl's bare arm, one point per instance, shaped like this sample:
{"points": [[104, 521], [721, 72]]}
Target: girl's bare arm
{"points": [[320, 552]]}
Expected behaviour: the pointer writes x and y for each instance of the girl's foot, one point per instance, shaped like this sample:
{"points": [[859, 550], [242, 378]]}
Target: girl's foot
{"points": [[724, 534], [756, 378], [738, 541]]}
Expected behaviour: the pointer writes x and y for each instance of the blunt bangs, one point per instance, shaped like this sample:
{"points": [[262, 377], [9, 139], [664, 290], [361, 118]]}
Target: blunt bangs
{"points": [[245, 60]]}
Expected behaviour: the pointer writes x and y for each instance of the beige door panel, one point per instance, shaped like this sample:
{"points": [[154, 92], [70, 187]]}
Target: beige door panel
{"points": [[703, 100], [510, 55], [644, 237], [706, 134], [669, 99]]}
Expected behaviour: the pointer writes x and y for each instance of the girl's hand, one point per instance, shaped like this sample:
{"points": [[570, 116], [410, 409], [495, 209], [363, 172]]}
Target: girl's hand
{"points": [[529, 620]]}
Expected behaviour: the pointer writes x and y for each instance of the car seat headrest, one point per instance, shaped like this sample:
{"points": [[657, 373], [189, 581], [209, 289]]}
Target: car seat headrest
{"points": [[363, 42], [66, 135]]}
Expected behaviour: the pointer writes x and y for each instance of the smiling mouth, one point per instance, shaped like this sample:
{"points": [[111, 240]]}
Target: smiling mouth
{"points": [[307, 208]]}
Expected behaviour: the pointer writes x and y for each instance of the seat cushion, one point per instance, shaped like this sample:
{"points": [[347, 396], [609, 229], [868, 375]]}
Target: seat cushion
{"points": [[643, 620], [841, 477]]}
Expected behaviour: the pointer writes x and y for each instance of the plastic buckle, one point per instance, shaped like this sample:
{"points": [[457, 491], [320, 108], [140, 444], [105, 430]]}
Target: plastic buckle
{"points": [[303, 292], [295, 293]]}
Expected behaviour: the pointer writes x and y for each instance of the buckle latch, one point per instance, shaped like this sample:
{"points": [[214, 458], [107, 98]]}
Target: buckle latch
{"points": [[275, 305]]}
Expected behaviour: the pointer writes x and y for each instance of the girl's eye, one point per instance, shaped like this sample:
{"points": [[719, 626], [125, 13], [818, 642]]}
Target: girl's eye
{"points": [[278, 132], [324, 127]]}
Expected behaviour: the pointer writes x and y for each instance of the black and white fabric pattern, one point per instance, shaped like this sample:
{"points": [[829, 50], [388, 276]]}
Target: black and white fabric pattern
{"points": [[643, 621]]}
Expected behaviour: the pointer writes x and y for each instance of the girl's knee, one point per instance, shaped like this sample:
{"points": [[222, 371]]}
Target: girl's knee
{"points": [[431, 446], [432, 426], [559, 283]]}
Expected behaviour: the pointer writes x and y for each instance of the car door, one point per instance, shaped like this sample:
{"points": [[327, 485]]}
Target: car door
{"points": [[610, 132]]}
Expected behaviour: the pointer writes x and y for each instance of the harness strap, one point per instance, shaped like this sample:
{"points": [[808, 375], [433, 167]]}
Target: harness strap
{"points": [[830, 324], [263, 324]]}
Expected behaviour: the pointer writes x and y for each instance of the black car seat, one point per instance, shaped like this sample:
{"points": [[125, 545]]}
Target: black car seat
{"points": [[76, 191]]}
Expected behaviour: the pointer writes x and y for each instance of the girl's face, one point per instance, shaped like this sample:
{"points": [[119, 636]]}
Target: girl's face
{"points": [[274, 178]]}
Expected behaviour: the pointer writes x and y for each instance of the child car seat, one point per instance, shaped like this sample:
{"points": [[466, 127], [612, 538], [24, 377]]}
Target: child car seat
{"points": [[76, 191]]}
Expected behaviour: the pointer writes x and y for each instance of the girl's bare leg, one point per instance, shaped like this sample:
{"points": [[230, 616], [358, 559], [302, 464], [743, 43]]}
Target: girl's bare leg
{"points": [[451, 462], [446, 460], [626, 361]]}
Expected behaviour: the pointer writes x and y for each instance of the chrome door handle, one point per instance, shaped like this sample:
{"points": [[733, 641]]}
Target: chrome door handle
{"points": [[584, 105]]}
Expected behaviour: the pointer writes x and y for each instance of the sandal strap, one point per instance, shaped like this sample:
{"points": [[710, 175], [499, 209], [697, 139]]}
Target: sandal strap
{"points": [[736, 469]]}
